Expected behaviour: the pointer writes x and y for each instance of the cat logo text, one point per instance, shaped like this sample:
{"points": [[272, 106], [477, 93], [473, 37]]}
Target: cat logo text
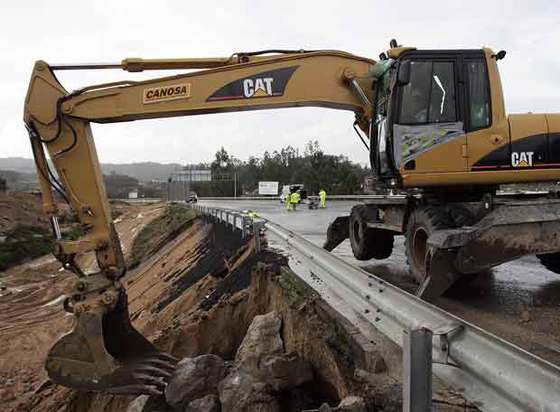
{"points": [[522, 159], [259, 87]]}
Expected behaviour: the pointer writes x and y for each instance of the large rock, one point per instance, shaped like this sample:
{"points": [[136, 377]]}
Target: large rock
{"points": [[262, 339], [285, 371], [194, 378], [137, 405], [352, 404], [241, 392], [145, 403], [261, 369], [261, 355], [209, 403], [348, 404]]}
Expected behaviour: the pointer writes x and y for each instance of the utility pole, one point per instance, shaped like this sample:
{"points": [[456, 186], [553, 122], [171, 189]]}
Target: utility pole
{"points": [[235, 184]]}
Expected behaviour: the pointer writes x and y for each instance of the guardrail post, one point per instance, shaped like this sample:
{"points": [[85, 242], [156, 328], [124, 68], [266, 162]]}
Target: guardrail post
{"points": [[257, 226], [417, 370], [245, 223]]}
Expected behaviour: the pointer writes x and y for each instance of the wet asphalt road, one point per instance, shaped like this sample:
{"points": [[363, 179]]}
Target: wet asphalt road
{"points": [[519, 300]]}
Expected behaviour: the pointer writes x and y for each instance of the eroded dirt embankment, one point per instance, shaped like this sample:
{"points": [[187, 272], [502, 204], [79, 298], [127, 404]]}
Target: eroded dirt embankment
{"points": [[31, 314], [200, 295]]}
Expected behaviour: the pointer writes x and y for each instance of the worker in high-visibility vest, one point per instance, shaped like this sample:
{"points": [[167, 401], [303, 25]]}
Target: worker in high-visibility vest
{"points": [[322, 199], [294, 200], [287, 201]]}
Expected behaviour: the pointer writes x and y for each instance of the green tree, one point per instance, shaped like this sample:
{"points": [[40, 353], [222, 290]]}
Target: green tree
{"points": [[314, 168], [118, 186]]}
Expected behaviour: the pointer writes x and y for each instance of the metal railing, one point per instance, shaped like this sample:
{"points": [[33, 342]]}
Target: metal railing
{"points": [[277, 198], [493, 373], [245, 224]]}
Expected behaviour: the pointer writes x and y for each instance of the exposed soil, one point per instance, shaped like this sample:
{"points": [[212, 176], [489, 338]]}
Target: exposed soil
{"points": [[17, 208], [197, 295], [31, 315]]}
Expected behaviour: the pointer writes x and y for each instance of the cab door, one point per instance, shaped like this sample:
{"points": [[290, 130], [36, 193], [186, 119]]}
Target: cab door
{"points": [[488, 147], [429, 134]]}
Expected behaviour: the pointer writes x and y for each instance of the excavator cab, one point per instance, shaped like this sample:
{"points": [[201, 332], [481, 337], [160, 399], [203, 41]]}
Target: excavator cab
{"points": [[428, 105]]}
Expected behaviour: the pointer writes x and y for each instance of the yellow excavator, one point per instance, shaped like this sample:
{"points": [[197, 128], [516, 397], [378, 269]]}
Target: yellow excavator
{"points": [[440, 145]]}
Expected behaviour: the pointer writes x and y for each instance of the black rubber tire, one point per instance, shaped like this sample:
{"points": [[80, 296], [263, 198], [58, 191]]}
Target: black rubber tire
{"points": [[382, 244], [368, 243], [421, 224], [551, 261]]}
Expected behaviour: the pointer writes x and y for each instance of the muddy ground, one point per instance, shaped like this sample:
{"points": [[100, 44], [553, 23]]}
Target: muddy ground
{"points": [[197, 295], [31, 315]]}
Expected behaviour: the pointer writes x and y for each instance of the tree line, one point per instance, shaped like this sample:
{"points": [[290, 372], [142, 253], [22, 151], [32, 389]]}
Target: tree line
{"points": [[312, 167]]}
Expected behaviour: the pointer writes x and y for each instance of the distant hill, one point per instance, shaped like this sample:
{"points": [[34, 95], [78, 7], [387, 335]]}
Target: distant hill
{"points": [[17, 164], [144, 171]]}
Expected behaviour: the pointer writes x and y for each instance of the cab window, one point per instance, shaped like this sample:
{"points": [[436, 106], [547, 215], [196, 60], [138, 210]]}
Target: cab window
{"points": [[479, 99], [429, 96]]}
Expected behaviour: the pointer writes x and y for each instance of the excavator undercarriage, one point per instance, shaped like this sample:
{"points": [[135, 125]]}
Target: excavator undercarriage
{"points": [[447, 241]]}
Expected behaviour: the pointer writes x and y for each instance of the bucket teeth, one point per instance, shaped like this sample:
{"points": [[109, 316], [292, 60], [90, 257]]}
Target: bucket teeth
{"points": [[160, 362], [154, 371], [135, 389], [150, 380]]}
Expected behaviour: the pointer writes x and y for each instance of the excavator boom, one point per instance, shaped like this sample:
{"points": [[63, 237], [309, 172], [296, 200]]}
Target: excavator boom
{"points": [[104, 352]]}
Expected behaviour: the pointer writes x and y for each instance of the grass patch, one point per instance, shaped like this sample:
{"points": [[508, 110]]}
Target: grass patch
{"points": [[23, 243], [159, 231]]}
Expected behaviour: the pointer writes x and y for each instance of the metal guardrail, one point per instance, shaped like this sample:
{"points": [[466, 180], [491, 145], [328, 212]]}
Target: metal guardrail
{"points": [[329, 197], [488, 370], [247, 225], [277, 198]]}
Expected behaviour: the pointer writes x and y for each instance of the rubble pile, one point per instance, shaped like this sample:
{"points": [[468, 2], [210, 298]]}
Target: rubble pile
{"points": [[261, 373]]}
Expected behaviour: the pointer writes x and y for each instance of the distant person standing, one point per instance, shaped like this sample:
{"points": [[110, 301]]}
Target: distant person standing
{"points": [[294, 200], [322, 199], [288, 201]]}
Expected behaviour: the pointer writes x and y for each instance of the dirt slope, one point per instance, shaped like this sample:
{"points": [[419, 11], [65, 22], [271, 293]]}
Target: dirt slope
{"points": [[198, 295], [31, 315]]}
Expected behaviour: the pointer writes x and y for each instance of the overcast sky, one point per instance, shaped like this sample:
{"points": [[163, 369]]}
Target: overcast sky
{"points": [[101, 31]]}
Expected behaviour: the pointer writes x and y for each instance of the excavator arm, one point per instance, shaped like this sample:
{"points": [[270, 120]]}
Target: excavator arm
{"points": [[104, 352]]}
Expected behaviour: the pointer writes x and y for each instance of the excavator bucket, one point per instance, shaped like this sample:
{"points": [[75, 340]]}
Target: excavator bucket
{"points": [[337, 232], [104, 353]]}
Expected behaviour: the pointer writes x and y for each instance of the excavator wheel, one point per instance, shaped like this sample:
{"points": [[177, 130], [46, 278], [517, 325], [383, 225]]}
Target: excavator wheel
{"points": [[366, 242], [551, 261], [432, 268], [422, 223]]}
